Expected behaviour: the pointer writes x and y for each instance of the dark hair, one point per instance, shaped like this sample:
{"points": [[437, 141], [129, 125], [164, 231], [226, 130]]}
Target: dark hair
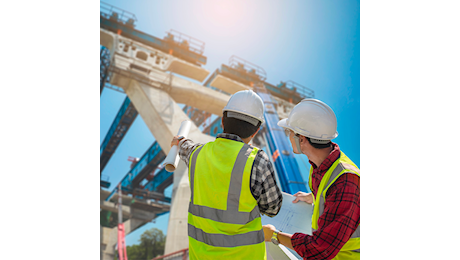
{"points": [[319, 146], [239, 127]]}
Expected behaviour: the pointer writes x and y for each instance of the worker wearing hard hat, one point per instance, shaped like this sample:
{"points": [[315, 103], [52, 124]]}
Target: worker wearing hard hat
{"points": [[334, 182], [231, 183]]}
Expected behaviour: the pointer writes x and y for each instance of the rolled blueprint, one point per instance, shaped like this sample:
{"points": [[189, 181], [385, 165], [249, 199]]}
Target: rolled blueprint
{"points": [[172, 159]]}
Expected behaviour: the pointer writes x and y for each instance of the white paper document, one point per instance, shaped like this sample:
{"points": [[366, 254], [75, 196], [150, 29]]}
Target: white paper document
{"points": [[292, 218]]}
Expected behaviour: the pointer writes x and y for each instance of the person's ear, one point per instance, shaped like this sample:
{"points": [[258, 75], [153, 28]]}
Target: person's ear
{"points": [[256, 132]]}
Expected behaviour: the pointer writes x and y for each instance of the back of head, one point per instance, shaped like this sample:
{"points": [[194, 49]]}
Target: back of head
{"points": [[238, 127], [243, 114]]}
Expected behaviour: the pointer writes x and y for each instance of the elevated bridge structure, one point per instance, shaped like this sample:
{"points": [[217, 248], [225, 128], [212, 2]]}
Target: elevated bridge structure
{"points": [[154, 74]]}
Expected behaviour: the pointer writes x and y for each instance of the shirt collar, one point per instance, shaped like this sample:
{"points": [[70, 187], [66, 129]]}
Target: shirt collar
{"points": [[230, 137], [330, 159]]}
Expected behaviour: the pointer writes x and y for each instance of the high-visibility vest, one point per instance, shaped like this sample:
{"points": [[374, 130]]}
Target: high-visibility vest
{"points": [[351, 249], [223, 218]]}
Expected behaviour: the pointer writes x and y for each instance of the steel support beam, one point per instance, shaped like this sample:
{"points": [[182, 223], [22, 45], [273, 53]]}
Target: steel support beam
{"points": [[120, 126]]}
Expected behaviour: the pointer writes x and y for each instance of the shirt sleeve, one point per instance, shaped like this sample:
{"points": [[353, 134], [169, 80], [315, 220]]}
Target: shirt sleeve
{"points": [[263, 185], [186, 147], [337, 223]]}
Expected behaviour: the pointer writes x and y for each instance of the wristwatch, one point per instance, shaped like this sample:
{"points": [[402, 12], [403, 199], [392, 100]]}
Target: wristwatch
{"points": [[275, 237], [180, 139]]}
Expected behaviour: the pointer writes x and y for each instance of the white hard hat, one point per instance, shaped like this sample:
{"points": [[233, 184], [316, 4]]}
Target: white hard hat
{"points": [[314, 119], [246, 105]]}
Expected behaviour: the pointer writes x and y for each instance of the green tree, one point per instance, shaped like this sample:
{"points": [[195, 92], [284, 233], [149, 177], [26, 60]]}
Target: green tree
{"points": [[153, 241], [152, 244]]}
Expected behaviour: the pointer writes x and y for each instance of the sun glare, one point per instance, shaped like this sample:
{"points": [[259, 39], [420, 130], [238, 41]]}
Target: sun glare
{"points": [[224, 16]]}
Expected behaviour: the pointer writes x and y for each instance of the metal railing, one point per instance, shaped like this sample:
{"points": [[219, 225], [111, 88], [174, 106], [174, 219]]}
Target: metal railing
{"points": [[185, 41], [178, 255], [302, 90], [248, 67], [114, 13]]}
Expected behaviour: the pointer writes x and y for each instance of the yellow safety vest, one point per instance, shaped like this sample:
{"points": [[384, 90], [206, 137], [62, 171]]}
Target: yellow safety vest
{"points": [[223, 218], [351, 249]]}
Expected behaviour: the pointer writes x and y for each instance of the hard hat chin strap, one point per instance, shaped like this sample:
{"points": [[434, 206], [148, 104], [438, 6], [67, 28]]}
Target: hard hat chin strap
{"points": [[297, 143]]}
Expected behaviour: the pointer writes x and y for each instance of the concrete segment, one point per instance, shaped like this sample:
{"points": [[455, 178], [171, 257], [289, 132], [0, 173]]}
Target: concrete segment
{"points": [[160, 113], [198, 96], [228, 85], [181, 90], [110, 206], [188, 69]]}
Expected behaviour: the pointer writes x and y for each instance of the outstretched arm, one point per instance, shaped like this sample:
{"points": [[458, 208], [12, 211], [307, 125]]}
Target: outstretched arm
{"points": [[186, 147]]}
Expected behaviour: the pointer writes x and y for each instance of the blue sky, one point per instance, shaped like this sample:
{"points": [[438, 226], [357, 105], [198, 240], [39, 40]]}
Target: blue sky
{"points": [[314, 43]]}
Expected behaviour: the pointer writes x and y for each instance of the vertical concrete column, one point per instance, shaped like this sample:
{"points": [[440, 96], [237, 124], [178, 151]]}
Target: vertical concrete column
{"points": [[108, 241], [102, 245], [177, 237]]}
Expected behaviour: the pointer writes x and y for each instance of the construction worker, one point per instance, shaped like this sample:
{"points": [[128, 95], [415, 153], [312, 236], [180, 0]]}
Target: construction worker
{"points": [[231, 183], [334, 182]]}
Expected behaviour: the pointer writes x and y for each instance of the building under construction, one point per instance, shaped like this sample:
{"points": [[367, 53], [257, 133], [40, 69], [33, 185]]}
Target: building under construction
{"points": [[154, 74]]}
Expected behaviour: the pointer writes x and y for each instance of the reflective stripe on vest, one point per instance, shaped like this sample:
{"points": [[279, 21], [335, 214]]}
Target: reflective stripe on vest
{"points": [[338, 168], [231, 215], [239, 231], [225, 240]]}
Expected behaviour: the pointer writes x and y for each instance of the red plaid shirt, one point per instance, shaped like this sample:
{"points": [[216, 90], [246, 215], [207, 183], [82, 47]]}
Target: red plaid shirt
{"points": [[340, 217]]}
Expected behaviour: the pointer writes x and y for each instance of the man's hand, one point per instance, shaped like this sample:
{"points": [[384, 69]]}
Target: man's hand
{"points": [[268, 232], [176, 139], [302, 196]]}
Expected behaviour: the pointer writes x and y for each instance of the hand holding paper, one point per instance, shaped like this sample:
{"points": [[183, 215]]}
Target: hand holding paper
{"points": [[303, 196], [172, 159]]}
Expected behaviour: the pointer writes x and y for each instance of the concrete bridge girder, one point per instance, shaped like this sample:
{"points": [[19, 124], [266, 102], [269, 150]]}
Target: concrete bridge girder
{"points": [[147, 58], [151, 63], [179, 89]]}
